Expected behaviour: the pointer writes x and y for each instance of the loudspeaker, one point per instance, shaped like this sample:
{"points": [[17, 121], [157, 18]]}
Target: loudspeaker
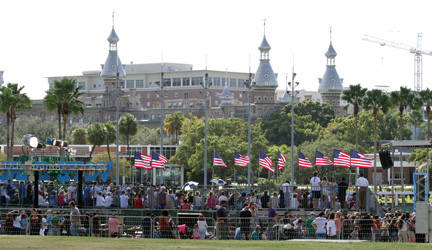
{"points": [[385, 159]]}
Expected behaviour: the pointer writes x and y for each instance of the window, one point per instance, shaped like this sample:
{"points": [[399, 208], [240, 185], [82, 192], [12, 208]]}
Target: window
{"points": [[240, 83], [152, 117], [82, 85], [89, 119], [196, 81], [216, 102], [97, 118], [259, 98], [148, 95], [265, 109], [240, 95], [139, 84], [176, 94], [70, 119], [265, 98], [186, 95], [157, 95], [271, 98], [167, 82], [148, 104], [186, 81], [51, 85], [216, 81], [130, 84], [233, 83], [176, 82]]}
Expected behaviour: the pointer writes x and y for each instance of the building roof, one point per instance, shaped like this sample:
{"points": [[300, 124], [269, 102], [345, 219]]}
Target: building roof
{"points": [[331, 52], [330, 80], [113, 38], [109, 69], [265, 77], [264, 45], [226, 93]]}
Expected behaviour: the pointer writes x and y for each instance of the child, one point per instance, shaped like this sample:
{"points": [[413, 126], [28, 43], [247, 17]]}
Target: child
{"points": [[294, 202], [256, 233], [355, 233], [196, 232]]}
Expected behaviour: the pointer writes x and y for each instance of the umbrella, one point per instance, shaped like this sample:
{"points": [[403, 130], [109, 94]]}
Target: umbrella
{"points": [[189, 185], [218, 181]]}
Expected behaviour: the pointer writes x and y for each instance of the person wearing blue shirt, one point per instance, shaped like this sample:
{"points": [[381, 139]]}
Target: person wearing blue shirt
{"points": [[87, 195]]}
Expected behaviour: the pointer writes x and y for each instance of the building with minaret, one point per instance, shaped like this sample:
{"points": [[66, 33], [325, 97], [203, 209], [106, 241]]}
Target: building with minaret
{"points": [[330, 86], [227, 102], [265, 82], [1, 78]]}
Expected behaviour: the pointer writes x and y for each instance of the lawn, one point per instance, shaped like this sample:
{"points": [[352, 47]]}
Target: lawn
{"points": [[63, 243]]}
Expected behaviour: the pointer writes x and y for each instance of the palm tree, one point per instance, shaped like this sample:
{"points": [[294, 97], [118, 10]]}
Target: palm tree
{"points": [[173, 123], [96, 135], [111, 134], [424, 98], [402, 99], [12, 101], [375, 100], [64, 98], [354, 96], [128, 126], [415, 119]]}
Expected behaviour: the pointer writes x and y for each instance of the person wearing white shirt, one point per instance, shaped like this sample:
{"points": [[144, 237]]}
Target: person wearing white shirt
{"points": [[100, 201], [320, 226], [331, 226], [223, 197], [362, 183], [294, 202], [124, 200], [108, 200], [70, 192], [316, 189]]}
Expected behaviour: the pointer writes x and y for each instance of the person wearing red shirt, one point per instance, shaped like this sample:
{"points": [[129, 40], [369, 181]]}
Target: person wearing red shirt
{"points": [[139, 202]]}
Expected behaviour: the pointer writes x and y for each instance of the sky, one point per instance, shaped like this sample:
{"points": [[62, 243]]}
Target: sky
{"points": [[39, 39]]}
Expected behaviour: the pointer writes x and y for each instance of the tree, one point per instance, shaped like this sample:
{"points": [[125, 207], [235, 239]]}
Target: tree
{"points": [[322, 113], [96, 135], [123, 165], [376, 101], [79, 136], [128, 126], [354, 96], [415, 119], [12, 101], [424, 98], [42, 129], [173, 123], [111, 136], [402, 99], [64, 97]]}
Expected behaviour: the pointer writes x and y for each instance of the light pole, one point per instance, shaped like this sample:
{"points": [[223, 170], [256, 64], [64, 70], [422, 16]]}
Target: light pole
{"points": [[205, 85], [249, 84], [117, 124], [161, 93], [293, 85]]}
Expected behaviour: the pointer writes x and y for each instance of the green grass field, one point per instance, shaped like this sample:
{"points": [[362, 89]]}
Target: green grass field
{"points": [[63, 243]]}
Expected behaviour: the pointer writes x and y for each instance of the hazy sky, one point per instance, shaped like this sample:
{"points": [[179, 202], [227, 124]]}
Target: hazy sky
{"points": [[56, 38]]}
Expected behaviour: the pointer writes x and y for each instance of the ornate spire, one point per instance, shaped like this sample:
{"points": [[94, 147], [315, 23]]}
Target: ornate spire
{"points": [[265, 75], [113, 64]]}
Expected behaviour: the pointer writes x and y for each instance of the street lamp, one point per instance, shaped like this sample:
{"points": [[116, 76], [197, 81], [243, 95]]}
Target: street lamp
{"points": [[248, 83], [161, 92], [206, 86], [293, 93]]}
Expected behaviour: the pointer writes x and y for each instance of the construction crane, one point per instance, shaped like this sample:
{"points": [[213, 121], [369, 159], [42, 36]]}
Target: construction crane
{"points": [[417, 51]]}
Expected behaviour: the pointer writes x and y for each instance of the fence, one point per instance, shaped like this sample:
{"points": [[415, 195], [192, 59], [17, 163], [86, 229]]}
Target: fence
{"points": [[252, 226]]}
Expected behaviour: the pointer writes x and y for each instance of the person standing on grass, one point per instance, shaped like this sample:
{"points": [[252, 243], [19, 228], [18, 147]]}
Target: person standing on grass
{"points": [[245, 222], [273, 218], [342, 189], [331, 227], [222, 218], [362, 183], [309, 227], [202, 226], [74, 219], [113, 227]]}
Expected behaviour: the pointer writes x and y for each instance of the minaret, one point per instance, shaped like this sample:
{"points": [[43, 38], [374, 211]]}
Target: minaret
{"points": [[1, 77], [265, 82], [330, 86], [112, 68], [227, 100]]}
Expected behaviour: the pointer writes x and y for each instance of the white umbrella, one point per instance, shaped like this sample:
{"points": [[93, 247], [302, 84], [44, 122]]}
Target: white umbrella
{"points": [[218, 181], [189, 185]]}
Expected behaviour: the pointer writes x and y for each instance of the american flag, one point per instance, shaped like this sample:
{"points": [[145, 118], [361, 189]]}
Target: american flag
{"points": [[322, 160], [158, 161], [241, 161], [217, 160], [281, 160], [341, 159], [265, 161], [142, 161], [304, 161], [360, 160]]}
